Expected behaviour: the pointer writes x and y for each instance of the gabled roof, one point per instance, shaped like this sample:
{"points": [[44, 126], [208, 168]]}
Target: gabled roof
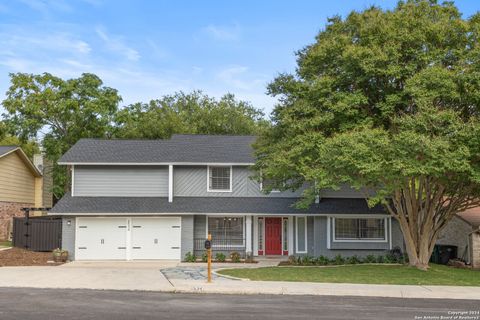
{"points": [[6, 150], [69, 205], [471, 216], [186, 149]]}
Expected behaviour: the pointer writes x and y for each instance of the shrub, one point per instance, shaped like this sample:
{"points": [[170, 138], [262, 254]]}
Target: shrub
{"points": [[307, 260], [235, 256], [205, 257], [292, 260], [322, 261], [338, 260], [353, 260], [394, 256], [380, 259], [190, 257], [220, 257], [370, 259]]}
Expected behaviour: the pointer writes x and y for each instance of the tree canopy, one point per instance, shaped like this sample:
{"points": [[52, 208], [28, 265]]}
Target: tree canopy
{"points": [[387, 100], [59, 112], [189, 113]]}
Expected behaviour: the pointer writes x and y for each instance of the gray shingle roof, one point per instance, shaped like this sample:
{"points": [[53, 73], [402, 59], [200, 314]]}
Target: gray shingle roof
{"points": [[6, 149], [209, 205], [178, 149]]}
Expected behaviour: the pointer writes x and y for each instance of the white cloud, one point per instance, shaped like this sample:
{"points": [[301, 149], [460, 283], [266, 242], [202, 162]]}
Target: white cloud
{"points": [[117, 45], [223, 33]]}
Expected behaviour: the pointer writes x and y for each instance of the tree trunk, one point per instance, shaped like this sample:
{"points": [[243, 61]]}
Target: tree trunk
{"points": [[422, 208]]}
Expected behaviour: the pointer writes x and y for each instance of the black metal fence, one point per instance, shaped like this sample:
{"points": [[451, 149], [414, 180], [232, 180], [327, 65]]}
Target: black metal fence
{"points": [[225, 246], [37, 233]]}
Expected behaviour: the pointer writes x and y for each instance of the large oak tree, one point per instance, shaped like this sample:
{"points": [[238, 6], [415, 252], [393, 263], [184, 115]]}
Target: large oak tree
{"points": [[59, 112], [387, 100]]}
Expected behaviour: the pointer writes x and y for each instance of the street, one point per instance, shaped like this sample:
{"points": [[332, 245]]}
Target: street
{"points": [[43, 304]]}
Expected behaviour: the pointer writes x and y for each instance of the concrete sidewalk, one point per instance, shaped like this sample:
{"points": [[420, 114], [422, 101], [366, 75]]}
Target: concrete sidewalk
{"points": [[146, 276]]}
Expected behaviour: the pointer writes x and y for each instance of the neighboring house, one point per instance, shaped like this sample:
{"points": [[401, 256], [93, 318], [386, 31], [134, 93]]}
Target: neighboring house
{"points": [[21, 185], [158, 199], [464, 232]]}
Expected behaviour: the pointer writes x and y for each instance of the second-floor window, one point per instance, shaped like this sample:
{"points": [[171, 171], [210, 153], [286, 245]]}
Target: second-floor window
{"points": [[220, 178]]}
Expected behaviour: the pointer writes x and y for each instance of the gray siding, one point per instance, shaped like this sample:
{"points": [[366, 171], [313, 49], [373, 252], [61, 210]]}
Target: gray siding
{"points": [[68, 236], [121, 181], [187, 235], [349, 249], [191, 181]]}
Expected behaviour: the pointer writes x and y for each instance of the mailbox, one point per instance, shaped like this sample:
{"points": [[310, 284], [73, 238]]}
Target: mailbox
{"points": [[208, 244]]}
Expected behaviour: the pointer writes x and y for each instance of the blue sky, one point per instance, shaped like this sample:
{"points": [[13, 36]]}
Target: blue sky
{"points": [[147, 49]]}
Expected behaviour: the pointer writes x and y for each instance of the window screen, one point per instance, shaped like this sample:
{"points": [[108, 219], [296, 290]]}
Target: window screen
{"points": [[352, 229], [219, 178]]}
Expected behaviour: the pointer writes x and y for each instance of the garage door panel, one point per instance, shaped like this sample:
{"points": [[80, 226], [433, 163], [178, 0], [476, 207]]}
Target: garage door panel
{"points": [[101, 238], [111, 238], [156, 238]]}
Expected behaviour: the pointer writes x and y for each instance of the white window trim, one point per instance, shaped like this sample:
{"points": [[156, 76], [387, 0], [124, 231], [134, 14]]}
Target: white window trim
{"points": [[243, 231], [385, 225], [296, 234], [208, 179]]}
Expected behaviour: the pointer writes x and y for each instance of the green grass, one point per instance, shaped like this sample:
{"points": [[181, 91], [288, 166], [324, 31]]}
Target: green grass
{"points": [[5, 243], [368, 274]]}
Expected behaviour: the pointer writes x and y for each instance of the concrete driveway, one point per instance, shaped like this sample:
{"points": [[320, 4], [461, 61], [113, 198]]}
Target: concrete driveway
{"points": [[122, 275]]}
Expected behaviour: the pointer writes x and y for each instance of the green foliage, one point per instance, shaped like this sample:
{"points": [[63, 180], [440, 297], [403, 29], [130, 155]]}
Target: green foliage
{"points": [[338, 260], [190, 257], [192, 113], [30, 147], [387, 102], [205, 257], [322, 261], [235, 256], [380, 259], [306, 260], [353, 260], [377, 99], [370, 259], [60, 112], [220, 257]]}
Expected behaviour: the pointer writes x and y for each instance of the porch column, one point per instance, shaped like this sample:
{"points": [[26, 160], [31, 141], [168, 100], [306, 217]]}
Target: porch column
{"points": [[290, 235], [248, 235]]}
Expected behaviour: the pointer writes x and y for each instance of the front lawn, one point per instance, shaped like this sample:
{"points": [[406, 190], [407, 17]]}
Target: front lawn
{"points": [[368, 274]]}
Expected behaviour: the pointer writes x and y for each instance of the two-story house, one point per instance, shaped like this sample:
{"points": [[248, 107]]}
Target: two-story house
{"points": [[158, 199]]}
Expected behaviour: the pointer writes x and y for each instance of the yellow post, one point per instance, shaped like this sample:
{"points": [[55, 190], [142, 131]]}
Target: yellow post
{"points": [[209, 260]]}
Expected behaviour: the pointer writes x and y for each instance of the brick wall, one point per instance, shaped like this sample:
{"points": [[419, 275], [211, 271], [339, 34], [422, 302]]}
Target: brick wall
{"points": [[8, 210], [475, 243], [456, 234]]}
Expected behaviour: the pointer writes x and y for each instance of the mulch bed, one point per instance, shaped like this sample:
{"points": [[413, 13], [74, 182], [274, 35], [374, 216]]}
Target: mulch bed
{"points": [[20, 257]]}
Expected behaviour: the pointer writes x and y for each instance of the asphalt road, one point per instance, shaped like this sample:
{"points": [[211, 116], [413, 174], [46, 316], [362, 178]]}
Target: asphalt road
{"points": [[43, 304]]}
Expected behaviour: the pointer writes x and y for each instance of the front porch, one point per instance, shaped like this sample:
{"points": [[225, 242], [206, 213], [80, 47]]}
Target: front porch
{"points": [[260, 236]]}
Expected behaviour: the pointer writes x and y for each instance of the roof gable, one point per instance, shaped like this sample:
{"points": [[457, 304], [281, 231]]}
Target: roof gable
{"points": [[7, 150]]}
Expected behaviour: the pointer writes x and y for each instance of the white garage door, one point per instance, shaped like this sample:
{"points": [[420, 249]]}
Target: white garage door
{"points": [[156, 238], [128, 238], [101, 238]]}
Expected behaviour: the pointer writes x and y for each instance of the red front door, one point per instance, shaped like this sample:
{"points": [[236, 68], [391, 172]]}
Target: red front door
{"points": [[273, 236]]}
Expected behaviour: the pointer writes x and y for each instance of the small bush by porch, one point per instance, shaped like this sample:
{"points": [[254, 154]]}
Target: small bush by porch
{"points": [[365, 274]]}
